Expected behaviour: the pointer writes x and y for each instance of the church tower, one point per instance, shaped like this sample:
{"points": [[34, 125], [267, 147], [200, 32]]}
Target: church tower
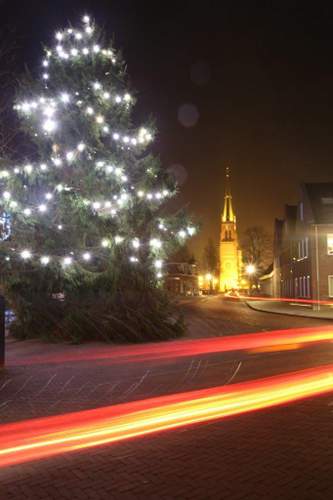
{"points": [[230, 255]]}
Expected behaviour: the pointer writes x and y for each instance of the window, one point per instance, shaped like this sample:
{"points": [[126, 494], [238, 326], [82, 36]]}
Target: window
{"points": [[308, 291], [301, 286], [328, 200], [330, 244], [303, 248], [301, 211], [330, 286]]}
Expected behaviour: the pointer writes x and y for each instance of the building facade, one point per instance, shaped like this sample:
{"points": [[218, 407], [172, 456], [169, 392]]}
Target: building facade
{"points": [[181, 278], [303, 246], [230, 254]]}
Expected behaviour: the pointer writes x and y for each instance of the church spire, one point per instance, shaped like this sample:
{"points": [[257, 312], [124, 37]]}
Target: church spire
{"points": [[228, 214]]}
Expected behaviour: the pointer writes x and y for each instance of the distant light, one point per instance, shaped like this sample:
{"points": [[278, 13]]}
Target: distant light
{"points": [[45, 260], [26, 254], [86, 19], [67, 261], [86, 256]]}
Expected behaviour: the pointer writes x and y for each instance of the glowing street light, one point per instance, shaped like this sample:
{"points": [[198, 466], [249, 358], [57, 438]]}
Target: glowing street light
{"points": [[250, 269]]}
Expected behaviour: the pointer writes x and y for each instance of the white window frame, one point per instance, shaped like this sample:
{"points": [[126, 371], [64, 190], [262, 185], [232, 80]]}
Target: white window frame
{"points": [[308, 292], [330, 285], [329, 237]]}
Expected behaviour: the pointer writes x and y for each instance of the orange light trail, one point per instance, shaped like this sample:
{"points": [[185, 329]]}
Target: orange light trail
{"points": [[46, 437], [181, 348]]}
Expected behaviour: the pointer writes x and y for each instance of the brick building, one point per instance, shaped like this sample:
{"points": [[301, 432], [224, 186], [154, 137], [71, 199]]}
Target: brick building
{"points": [[303, 246]]}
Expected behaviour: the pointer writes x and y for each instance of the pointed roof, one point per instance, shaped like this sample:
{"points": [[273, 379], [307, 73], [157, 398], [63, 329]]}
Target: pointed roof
{"points": [[228, 214]]}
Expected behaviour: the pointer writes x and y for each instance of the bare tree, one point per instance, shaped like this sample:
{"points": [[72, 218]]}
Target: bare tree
{"points": [[210, 258], [257, 247]]}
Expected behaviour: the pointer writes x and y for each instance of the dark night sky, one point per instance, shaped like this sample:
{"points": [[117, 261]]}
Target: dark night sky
{"points": [[261, 78]]}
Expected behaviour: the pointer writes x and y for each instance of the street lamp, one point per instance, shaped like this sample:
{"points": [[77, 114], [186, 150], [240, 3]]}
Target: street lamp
{"points": [[250, 271]]}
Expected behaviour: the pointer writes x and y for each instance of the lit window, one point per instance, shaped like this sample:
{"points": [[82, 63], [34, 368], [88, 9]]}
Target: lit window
{"points": [[330, 244], [328, 200], [330, 286], [308, 291], [303, 248]]}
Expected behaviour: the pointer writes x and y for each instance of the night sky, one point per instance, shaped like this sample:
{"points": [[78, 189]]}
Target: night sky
{"points": [[254, 82]]}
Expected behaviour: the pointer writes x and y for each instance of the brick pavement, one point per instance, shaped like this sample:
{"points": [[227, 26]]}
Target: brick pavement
{"points": [[284, 452]]}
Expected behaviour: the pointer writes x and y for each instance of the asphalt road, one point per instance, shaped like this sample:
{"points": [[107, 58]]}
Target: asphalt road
{"points": [[285, 451]]}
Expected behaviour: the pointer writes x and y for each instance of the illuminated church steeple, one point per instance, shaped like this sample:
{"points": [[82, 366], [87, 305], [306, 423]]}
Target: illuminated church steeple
{"points": [[228, 213], [230, 255]]}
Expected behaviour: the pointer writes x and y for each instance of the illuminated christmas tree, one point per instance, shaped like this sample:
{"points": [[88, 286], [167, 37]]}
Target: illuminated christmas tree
{"points": [[87, 242]]}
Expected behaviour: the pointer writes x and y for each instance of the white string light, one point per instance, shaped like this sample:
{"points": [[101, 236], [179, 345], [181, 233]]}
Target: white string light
{"points": [[73, 44]]}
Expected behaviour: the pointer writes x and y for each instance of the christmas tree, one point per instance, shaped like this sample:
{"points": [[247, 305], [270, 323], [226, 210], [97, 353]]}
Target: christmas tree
{"points": [[86, 235]]}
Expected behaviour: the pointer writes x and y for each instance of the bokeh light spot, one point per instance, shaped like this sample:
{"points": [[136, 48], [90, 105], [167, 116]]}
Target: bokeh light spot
{"points": [[188, 115]]}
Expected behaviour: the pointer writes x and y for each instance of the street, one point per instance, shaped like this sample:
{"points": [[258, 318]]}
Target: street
{"points": [[282, 451]]}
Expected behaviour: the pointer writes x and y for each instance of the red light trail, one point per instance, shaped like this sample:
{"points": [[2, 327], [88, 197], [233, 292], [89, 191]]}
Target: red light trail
{"points": [[178, 349], [283, 299], [46, 437]]}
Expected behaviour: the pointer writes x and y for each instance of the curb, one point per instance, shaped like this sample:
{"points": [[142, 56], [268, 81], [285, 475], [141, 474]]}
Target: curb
{"points": [[250, 306]]}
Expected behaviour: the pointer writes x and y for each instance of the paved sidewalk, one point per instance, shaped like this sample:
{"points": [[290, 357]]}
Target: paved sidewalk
{"points": [[291, 309]]}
